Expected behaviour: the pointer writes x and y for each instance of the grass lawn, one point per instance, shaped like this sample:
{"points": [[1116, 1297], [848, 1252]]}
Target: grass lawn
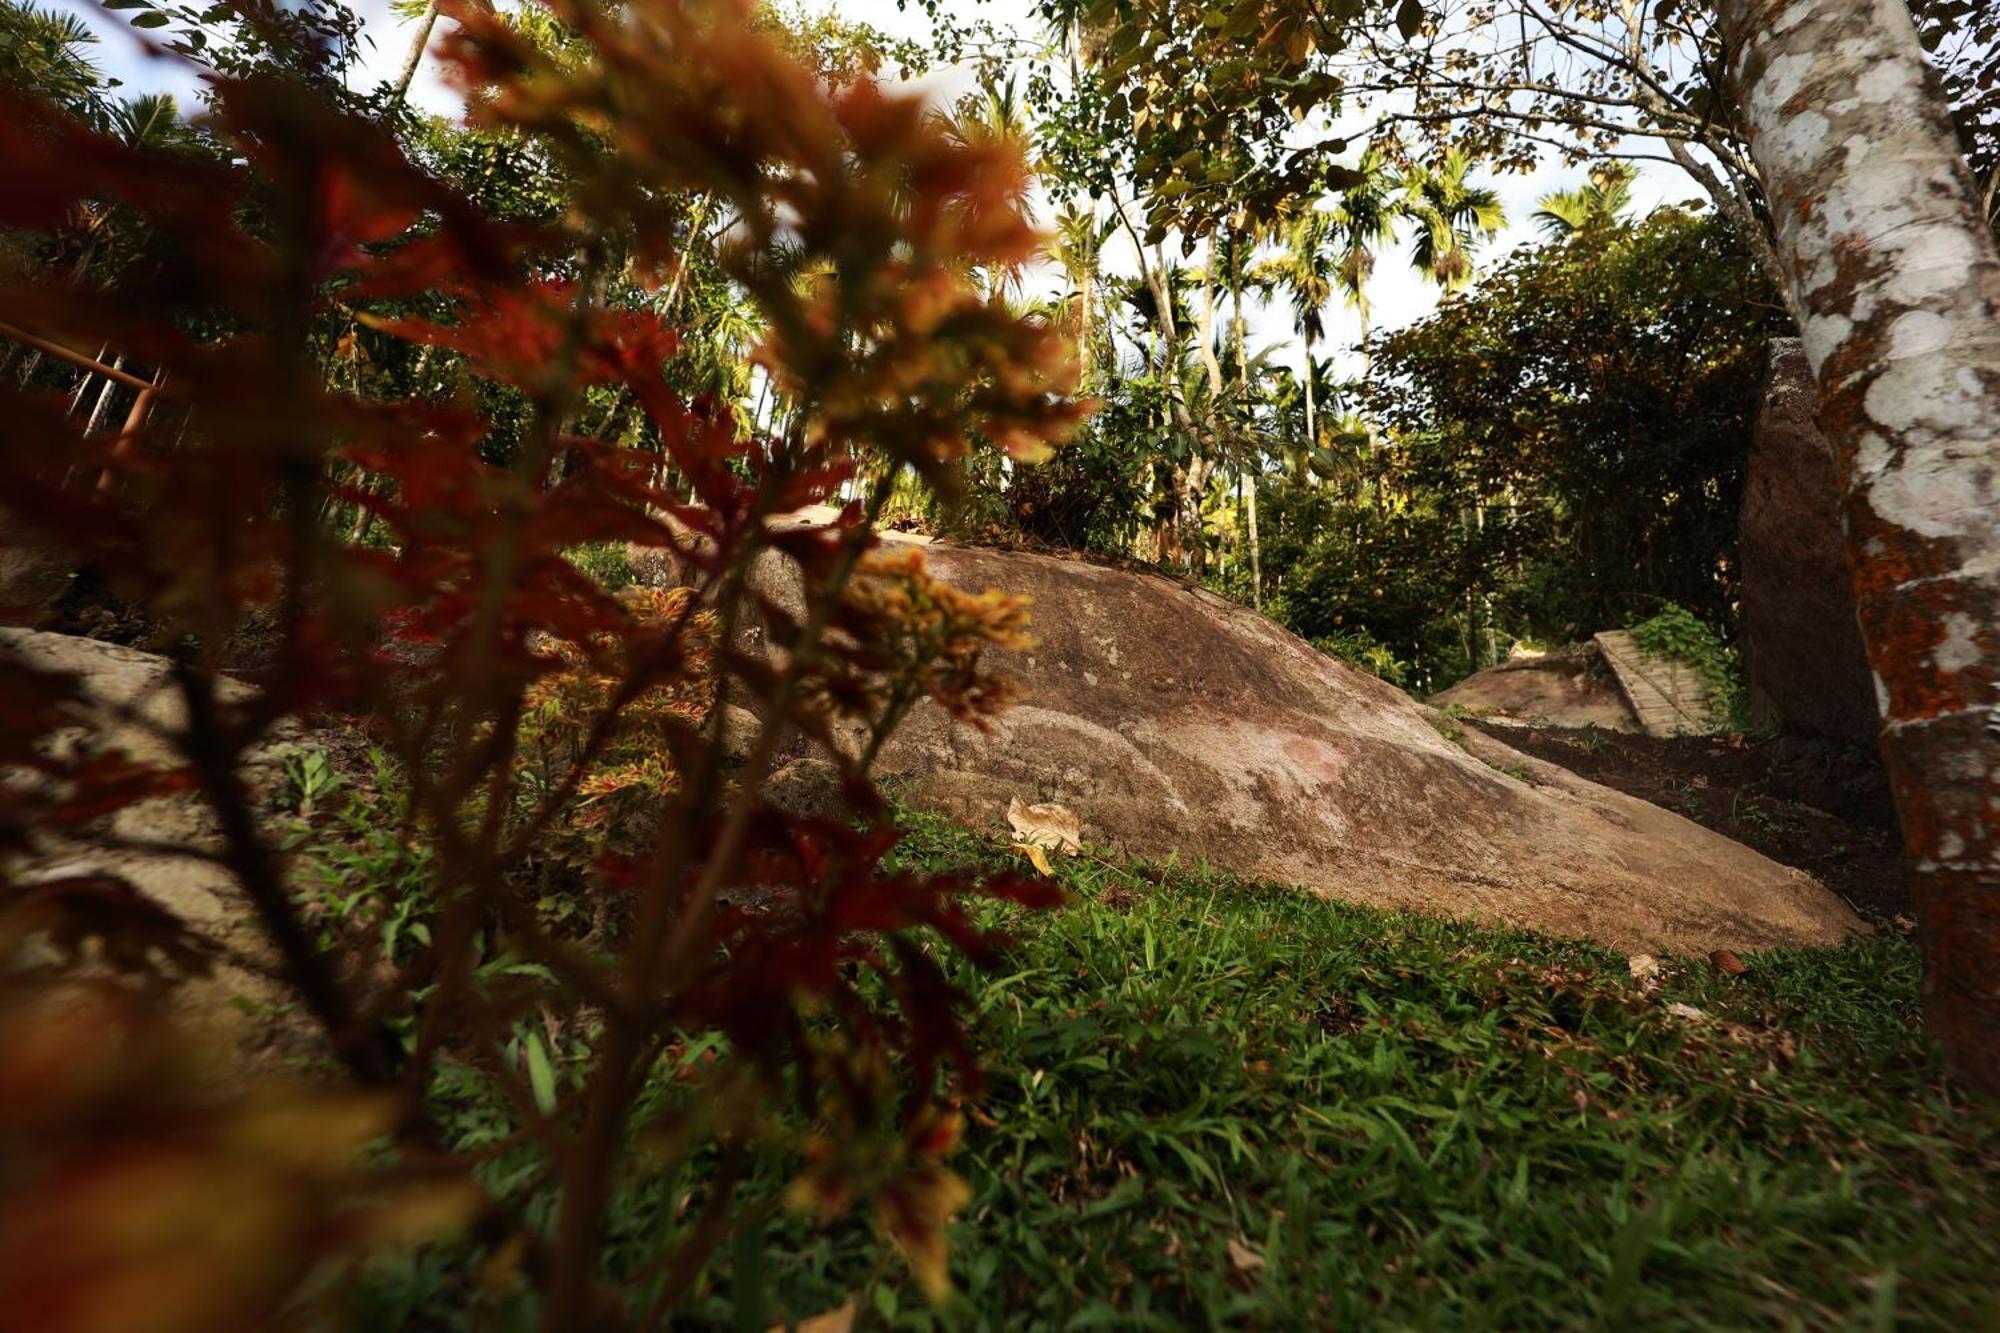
{"points": [[1215, 1104]]}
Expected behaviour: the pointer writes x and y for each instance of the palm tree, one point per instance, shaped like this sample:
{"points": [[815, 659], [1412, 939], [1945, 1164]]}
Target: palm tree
{"points": [[151, 120], [1078, 249], [1307, 271], [43, 49], [1366, 220], [1452, 218], [1597, 204], [426, 16], [995, 114]]}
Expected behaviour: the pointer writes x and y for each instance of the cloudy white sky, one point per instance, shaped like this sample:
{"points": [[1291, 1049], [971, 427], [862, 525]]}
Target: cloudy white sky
{"points": [[1397, 294]]}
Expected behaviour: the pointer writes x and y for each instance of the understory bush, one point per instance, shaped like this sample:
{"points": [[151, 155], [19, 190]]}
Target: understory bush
{"points": [[1677, 634], [585, 899]]}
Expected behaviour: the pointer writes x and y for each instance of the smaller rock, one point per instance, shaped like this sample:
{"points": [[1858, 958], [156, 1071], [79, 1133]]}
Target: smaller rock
{"points": [[807, 788], [130, 703], [740, 730], [1567, 689]]}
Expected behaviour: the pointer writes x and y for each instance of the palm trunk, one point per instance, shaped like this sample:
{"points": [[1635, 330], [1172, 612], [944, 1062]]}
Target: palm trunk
{"points": [[1887, 252], [1312, 417], [1200, 469], [696, 221], [1153, 274], [401, 91], [1254, 464]]}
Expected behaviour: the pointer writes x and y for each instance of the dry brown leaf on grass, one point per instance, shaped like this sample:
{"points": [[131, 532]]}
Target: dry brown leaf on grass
{"points": [[1645, 970], [1244, 1258], [1728, 963], [1050, 825]]}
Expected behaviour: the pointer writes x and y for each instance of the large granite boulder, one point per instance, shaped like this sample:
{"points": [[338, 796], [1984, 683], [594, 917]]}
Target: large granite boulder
{"points": [[1802, 655], [1173, 721], [157, 845]]}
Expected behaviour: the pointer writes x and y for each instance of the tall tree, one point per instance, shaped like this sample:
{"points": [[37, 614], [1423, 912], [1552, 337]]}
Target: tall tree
{"points": [[1306, 270], [426, 17], [1077, 246], [1888, 251], [1452, 217], [1241, 245], [1367, 214]]}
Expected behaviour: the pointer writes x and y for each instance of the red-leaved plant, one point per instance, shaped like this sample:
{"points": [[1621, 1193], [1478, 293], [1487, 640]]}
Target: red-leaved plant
{"points": [[135, 1192]]}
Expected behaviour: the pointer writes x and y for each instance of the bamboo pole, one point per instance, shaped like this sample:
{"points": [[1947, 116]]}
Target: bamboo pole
{"points": [[91, 364], [128, 437]]}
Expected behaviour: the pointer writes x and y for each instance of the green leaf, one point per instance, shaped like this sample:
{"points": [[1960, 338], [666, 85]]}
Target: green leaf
{"points": [[749, 1287], [151, 19], [1410, 19], [127, 4], [541, 1075]]}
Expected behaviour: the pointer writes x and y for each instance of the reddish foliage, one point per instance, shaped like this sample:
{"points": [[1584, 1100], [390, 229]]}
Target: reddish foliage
{"points": [[735, 917]]}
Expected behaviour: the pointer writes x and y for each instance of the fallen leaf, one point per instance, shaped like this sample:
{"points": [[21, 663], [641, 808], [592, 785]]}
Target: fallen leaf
{"points": [[1246, 1259], [1033, 851], [1688, 1011], [1728, 963], [1645, 969], [1052, 826], [837, 1320], [1904, 924]]}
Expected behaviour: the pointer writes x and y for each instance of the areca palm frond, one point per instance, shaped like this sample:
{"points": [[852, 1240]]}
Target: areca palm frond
{"points": [[150, 121], [1077, 244], [1306, 270], [1366, 216], [1598, 203], [44, 49], [1452, 217]]}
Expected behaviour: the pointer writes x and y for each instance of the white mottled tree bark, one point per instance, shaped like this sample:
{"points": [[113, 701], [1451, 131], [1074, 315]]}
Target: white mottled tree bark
{"points": [[1879, 224]]}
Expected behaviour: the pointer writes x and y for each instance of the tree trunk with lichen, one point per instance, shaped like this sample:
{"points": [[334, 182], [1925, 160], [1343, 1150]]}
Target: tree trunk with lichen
{"points": [[1879, 223]]}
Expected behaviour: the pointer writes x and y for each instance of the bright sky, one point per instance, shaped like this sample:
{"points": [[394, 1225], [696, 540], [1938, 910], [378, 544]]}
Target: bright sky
{"points": [[1398, 295]]}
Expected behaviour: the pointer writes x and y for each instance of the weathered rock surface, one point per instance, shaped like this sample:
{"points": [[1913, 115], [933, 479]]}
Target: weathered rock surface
{"points": [[1174, 721], [1568, 689], [32, 578], [125, 681], [1802, 654]]}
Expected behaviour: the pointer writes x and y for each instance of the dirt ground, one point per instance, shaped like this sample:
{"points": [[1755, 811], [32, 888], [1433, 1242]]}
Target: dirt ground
{"points": [[1820, 806]]}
